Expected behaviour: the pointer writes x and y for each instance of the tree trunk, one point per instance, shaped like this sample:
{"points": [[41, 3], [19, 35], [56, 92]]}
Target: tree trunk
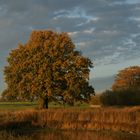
{"points": [[43, 103], [71, 103]]}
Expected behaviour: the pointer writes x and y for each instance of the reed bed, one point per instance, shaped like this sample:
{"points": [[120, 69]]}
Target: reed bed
{"points": [[114, 119]]}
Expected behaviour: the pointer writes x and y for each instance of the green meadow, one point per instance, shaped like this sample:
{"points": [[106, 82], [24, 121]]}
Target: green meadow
{"points": [[4, 106]]}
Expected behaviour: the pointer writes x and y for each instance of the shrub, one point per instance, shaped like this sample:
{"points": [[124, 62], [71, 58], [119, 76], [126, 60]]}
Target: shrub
{"points": [[108, 98], [128, 97]]}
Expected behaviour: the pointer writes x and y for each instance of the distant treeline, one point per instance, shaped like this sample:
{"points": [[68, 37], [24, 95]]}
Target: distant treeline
{"points": [[125, 90]]}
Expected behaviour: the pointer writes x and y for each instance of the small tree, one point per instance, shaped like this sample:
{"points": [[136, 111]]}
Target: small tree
{"points": [[127, 97], [48, 68], [126, 88], [128, 78]]}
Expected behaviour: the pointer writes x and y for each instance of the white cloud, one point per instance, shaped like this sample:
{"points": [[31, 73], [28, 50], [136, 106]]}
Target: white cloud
{"points": [[73, 13], [129, 43], [132, 1], [72, 34], [89, 31], [81, 44]]}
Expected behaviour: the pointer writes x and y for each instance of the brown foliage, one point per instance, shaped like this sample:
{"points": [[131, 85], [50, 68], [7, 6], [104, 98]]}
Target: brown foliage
{"points": [[48, 67], [127, 78]]}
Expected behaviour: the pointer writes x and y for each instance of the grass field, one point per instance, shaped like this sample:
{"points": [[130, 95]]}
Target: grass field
{"points": [[34, 105], [17, 105]]}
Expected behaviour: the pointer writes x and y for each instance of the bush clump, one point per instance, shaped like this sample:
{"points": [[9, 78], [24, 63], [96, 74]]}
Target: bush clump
{"points": [[127, 97]]}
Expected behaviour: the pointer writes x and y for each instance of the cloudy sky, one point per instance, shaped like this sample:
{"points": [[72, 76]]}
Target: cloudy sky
{"points": [[106, 31]]}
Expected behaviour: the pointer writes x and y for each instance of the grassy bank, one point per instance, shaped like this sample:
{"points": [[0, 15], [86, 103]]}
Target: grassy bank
{"points": [[4, 106], [115, 119], [17, 105]]}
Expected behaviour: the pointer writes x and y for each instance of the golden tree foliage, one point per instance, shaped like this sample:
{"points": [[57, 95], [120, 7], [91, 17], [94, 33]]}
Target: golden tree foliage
{"points": [[48, 67], [128, 78]]}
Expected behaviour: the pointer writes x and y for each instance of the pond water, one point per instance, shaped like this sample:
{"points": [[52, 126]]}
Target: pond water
{"points": [[83, 135], [75, 135]]}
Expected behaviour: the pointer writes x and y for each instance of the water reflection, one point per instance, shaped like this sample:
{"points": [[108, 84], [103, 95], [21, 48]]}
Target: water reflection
{"points": [[82, 135], [70, 135]]}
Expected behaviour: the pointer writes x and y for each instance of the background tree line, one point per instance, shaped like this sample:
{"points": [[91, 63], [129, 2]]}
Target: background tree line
{"points": [[125, 90]]}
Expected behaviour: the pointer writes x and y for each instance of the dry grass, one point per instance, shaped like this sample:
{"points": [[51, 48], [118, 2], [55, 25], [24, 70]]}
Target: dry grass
{"points": [[115, 119]]}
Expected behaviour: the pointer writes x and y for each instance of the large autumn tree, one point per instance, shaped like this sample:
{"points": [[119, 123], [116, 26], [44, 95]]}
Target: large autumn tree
{"points": [[48, 68], [128, 78]]}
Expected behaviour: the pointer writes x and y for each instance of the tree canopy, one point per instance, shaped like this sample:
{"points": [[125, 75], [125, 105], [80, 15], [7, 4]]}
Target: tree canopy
{"points": [[48, 68], [125, 90], [128, 78]]}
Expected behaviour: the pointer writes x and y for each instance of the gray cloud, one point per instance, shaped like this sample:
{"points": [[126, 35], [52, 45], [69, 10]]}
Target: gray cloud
{"points": [[103, 83], [107, 31]]}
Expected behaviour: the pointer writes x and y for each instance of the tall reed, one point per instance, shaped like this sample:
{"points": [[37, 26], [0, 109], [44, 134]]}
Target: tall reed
{"points": [[115, 119]]}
